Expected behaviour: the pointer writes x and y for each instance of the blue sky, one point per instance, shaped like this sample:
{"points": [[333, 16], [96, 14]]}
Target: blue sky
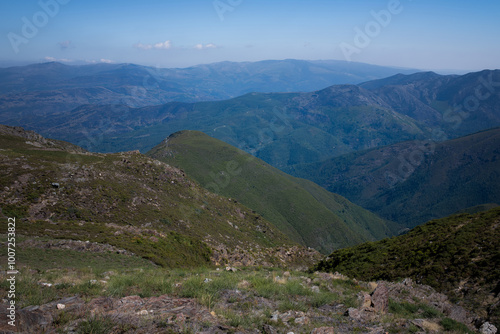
{"points": [[425, 34]]}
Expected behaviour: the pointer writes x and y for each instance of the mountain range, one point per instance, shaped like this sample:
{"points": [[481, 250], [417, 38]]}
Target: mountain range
{"points": [[369, 157], [274, 126], [50, 89]]}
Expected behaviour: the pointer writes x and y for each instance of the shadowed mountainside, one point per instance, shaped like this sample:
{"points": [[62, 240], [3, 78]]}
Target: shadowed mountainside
{"points": [[412, 182]]}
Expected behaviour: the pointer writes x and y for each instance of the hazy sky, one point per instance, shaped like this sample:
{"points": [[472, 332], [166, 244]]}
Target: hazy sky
{"points": [[424, 34]]}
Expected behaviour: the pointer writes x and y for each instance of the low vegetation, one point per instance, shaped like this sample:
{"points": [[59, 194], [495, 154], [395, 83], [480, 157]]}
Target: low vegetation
{"points": [[232, 300], [128, 201], [458, 255], [302, 210]]}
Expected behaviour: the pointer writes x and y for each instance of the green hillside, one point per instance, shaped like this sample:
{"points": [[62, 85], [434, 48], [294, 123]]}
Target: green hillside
{"points": [[458, 255], [127, 200], [413, 182], [299, 208]]}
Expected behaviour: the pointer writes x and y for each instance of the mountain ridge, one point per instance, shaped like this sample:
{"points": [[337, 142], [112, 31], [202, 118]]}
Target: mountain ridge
{"points": [[299, 208], [438, 179], [131, 202], [274, 126]]}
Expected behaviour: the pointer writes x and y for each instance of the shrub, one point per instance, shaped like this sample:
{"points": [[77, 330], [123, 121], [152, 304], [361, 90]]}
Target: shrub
{"points": [[451, 325], [96, 325]]}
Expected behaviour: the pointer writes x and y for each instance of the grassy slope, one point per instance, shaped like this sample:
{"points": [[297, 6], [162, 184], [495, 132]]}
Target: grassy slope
{"points": [[127, 200], [454, 175], [301, 209], [459, 255]]}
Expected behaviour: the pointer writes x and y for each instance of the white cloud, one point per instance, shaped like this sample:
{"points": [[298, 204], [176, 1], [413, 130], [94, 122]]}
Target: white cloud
{"points": [[102, 60], [206, 46], [158, 46], [165, 45], [143, 46], [62, 60]]}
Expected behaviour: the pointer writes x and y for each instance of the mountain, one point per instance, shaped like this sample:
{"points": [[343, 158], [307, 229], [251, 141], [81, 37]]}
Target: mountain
{"points": [[302, 210], [280, 128], [455, 105], [202, 82], [285, 129], [131, 202], [458, 255], [412, 182]]}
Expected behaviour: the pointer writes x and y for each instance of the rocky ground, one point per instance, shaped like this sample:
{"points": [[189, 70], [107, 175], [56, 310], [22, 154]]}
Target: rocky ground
{"points": [[229, 300]]}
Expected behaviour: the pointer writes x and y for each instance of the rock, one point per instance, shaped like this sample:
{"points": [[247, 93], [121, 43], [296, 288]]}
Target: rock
{"points": [[215, 330], [287, 316], [408, 282], [488, 328], [207, 280], [143, 312], [315, 289], [378, 330], [286, 274], [61, 306], [366, 301], [323, 330], [372, 286], [429, 327], [33, 320], [243, 284], [353, 313], [268, 329], [302, 320], [455, 312], [339, 276], [380, 299]]}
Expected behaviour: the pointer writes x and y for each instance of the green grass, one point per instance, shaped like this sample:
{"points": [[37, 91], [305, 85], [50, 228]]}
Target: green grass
{"points": [[126, 200], [96, 325], [57, 258], [451, 325], [297, 207], [323, 298], [240, 308], [413, 311]]}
